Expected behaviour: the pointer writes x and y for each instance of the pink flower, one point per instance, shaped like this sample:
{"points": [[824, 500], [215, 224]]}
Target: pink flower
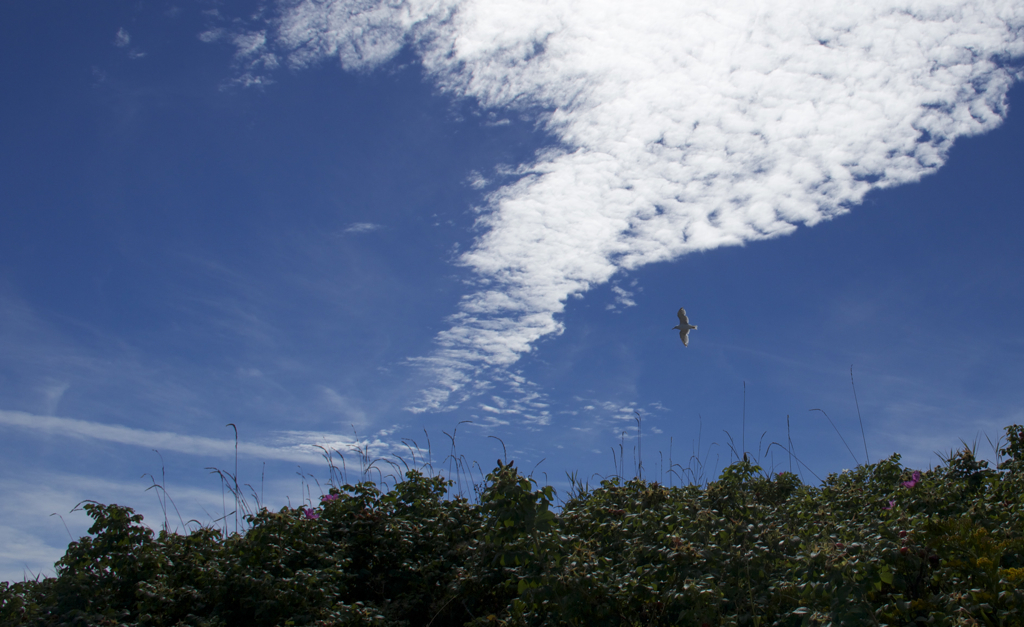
{"points": [[914, 480], [328, 497], [891, 505], [310, 514]]}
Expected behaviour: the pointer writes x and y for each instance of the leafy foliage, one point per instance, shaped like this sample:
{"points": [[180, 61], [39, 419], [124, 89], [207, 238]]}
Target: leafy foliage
{"points": [[879, 545]]}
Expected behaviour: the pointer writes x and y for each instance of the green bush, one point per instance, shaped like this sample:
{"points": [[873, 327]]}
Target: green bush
{"points": [[878, 545]]}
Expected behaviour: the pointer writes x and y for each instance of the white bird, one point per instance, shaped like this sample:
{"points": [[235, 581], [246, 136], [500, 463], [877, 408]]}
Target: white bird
{"points": [[684, 327]]}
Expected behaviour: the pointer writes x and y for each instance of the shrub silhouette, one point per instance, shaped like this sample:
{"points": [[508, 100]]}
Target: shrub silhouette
{"points": [[880, 544]]}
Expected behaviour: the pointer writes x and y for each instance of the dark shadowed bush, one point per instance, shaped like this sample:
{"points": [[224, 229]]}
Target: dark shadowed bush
{"points": [[878, 545]]}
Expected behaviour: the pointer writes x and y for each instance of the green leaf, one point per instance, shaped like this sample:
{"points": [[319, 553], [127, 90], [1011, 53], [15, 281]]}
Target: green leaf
{"points": [[885, 574]]}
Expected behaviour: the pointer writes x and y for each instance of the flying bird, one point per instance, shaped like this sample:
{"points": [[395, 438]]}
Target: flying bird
{"points": [[684, 327]]}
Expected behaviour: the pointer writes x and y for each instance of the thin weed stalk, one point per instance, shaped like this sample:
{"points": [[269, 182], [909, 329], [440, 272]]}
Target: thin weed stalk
{"points": [[857, 403], [857, 461]]}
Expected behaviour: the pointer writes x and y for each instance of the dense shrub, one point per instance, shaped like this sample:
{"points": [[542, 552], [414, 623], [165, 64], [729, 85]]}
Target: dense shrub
{"points": [[877, 545]]}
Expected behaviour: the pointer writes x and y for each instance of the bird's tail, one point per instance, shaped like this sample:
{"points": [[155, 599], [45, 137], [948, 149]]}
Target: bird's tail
{"points": [[694, 328]]}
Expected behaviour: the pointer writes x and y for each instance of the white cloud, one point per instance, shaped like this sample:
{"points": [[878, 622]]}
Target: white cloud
{"points": [[212, 35], [361, 33], [290, 448], [252, 57], [623, 297], [122, 38], [374, 445], [344, 406], [249, 44], [53, 393], [477, 180], [362, 227], [683, 126], [489, 421]]}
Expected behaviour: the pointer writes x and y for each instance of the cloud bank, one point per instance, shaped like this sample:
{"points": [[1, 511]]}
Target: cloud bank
{"points": [[682, 126]]}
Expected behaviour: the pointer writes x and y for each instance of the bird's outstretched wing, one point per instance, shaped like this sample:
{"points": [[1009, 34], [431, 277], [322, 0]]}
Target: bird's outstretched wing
{"points": [[683, 320], [685, 337]]}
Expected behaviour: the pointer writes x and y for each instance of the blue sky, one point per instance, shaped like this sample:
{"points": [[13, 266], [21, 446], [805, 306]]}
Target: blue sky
{"points": [[362, 225]]}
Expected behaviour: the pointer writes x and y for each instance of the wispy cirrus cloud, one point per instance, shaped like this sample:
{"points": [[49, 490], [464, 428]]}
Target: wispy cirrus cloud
{"points": [[293, 446], [362, 227], [623, 298], [681, 127], [122, 38]]}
